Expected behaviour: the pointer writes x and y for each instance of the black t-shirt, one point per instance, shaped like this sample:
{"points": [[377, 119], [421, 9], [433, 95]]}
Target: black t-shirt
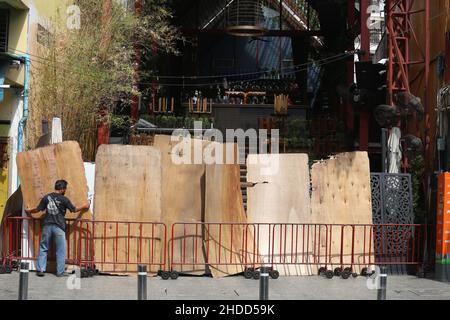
{"points": [[55, 206]]}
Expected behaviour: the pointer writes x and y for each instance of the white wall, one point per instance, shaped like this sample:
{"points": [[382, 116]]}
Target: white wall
{"points": [[13, 134]]}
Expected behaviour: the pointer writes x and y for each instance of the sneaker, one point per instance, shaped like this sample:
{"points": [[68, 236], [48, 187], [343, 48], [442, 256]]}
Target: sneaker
{"points": [[40, 274], [64, 274]]}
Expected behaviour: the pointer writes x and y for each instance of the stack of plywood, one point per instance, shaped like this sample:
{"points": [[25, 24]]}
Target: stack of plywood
{"points": [[41, 168], [341, 194], [182, 199], [145, 184], [154, 184], [128, 188], [280, 196], [227, 245], [195, 192]]}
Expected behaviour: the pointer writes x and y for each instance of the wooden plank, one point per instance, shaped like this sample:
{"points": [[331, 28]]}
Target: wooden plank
{"points": [[281, 197], [183, 191], [226, 246], [341, 194], [128, 188], [39, 169]]}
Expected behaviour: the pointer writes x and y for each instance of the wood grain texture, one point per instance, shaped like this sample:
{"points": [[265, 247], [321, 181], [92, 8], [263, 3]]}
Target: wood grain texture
{"points": [[280, 197], [341, 194], [128, 188], [183, 191], [41, 168], [38, 170], [227, 246]]}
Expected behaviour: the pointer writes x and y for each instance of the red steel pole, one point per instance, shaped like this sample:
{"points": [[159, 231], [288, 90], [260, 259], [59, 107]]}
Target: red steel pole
{"points": [[364, 120]]}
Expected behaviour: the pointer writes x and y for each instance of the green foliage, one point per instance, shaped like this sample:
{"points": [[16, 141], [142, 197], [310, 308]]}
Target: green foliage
{"points": [[298, 134], [87, 72], [120, 122]]}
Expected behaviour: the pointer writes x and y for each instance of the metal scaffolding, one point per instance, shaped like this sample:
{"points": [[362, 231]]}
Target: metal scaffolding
{"points": [[402, 36]]}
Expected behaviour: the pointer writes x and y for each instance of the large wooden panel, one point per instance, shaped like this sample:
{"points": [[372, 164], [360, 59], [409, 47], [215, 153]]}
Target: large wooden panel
{"points": [[128, 188], [281, 196], [226, 245], [183, 190], [341, 194], [39, 169]]}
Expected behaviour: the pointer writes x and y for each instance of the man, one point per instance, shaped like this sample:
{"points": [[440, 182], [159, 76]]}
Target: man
{"points": [[54, 225]]}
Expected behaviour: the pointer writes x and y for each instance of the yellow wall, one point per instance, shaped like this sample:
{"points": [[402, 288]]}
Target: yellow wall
{"points": [[18, 30], [23, 30], [25, 15]]}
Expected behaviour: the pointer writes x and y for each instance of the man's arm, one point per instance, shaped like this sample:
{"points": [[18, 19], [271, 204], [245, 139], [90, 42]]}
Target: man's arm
{"points": [[83, 208], [31, 211], [41, 207], [74, 209]]}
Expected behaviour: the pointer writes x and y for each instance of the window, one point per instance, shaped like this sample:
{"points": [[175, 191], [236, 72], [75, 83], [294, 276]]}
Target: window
{"points": [[4, 30], [43, 36]]}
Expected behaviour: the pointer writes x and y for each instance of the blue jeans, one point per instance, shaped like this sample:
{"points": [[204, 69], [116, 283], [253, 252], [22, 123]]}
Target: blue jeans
{"points": [[49, 232]]}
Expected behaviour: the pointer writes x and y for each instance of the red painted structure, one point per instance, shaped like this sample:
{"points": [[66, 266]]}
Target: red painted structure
{"points": [[402, 36], [364, 117]]}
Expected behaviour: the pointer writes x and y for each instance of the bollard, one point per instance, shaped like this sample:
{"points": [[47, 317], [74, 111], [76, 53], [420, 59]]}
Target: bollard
{"points": [[23, 282], [383, 283], [264, 283], [142, 282]]}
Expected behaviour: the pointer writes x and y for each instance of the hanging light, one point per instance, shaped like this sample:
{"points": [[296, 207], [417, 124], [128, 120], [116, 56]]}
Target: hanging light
{"points": [[245, 18]]}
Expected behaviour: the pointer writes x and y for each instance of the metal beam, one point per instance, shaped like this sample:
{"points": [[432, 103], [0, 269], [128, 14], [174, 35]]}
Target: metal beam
{"points": [[268, 33]]}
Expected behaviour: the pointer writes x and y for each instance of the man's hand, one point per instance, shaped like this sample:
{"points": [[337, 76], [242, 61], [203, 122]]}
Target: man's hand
{"points": [[30, 211], [84, 207]]}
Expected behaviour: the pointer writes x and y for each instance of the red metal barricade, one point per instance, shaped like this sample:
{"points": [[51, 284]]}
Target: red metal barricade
{"points": [[295, 248], [228, 248], [110, 246], [120, 246]]}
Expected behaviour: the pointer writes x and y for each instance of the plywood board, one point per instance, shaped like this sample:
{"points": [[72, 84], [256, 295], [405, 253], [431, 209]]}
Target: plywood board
{"points": [[227, 246], [281, 196], [183, 190], [341, 194], [128, 189], [39, 169]]}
